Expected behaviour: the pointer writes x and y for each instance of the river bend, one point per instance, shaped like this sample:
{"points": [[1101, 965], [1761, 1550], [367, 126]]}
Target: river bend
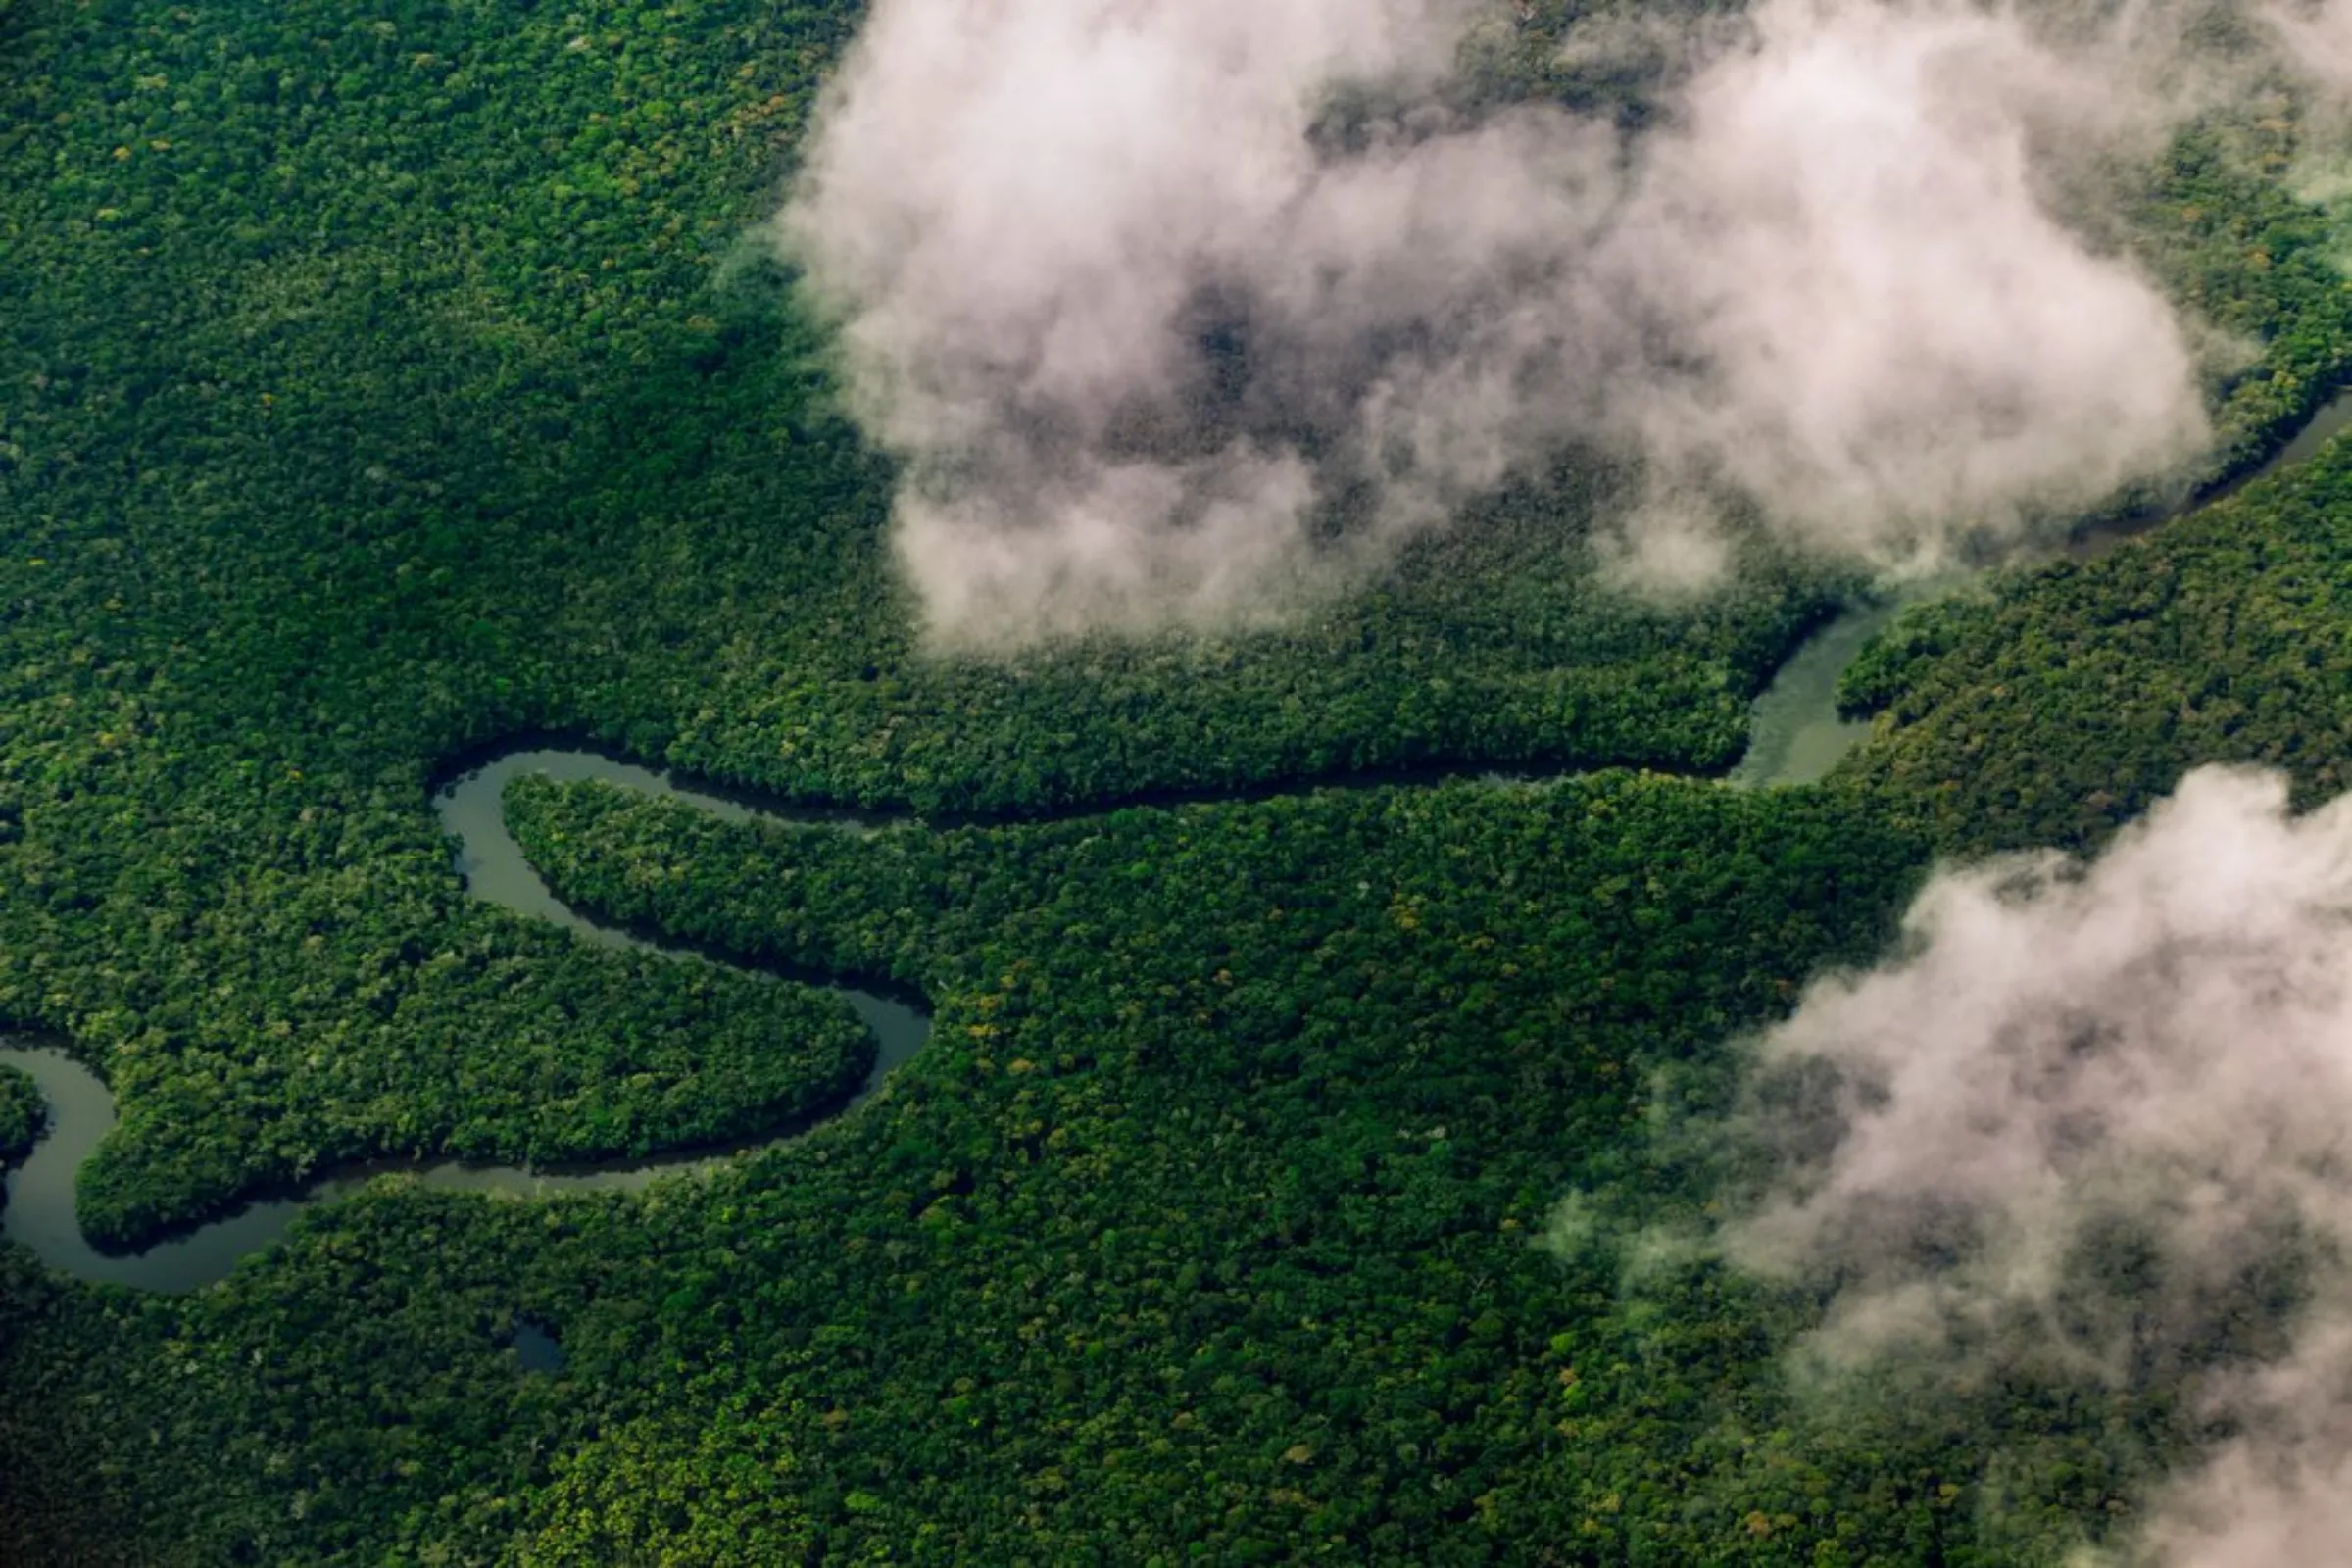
{"points": [[1795, 736]]}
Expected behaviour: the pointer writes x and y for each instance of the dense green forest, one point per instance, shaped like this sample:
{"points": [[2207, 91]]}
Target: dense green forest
{"points": [[21, 1115], [333, 454], [385, 384], [2054, 708]]}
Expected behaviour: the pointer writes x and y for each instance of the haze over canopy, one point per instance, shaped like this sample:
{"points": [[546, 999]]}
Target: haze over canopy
{"points": [[2090, 1121], [1178, 311]]}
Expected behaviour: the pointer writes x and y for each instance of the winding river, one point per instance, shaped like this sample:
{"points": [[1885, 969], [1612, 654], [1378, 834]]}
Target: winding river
{"points": [[1795, 736], [40, 1211]]}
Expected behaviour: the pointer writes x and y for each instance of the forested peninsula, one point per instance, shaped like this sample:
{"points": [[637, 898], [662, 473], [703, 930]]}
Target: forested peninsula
{"points": [[390, 387]]}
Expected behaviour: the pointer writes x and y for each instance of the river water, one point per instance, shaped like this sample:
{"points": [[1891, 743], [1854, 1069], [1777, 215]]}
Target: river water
{"points": [[1795, 736], [40, 1212]]}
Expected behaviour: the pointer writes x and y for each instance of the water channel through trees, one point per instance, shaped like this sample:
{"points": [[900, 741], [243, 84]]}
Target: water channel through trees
{"points": [[1795, 736]]}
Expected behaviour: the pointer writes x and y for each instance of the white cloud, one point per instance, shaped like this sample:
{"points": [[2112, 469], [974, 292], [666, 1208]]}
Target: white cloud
{"points": [[2088, 1120], [1167, 333]]}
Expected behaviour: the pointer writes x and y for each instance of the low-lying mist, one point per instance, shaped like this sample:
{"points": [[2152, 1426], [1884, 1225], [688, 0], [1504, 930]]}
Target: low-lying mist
{"points": [[1184, 312], [2093, 1123]]}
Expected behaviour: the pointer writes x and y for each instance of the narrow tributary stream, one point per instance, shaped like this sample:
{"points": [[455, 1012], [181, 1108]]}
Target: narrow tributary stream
{"points": [[1795, 736]]}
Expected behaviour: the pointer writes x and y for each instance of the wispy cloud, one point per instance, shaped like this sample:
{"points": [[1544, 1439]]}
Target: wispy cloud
{"points": [[1179, 311], [2093, 1121]]}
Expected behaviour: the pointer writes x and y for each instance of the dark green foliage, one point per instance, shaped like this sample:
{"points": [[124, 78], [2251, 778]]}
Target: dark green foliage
{"points": [[1919, 635], [2061, 705], [1206, 1219], [2248, 257], [21, 1114], [380, 384]]}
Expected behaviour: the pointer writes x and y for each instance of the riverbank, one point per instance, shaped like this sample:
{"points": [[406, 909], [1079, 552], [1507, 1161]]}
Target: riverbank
{"points": [[1796, 735]]}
